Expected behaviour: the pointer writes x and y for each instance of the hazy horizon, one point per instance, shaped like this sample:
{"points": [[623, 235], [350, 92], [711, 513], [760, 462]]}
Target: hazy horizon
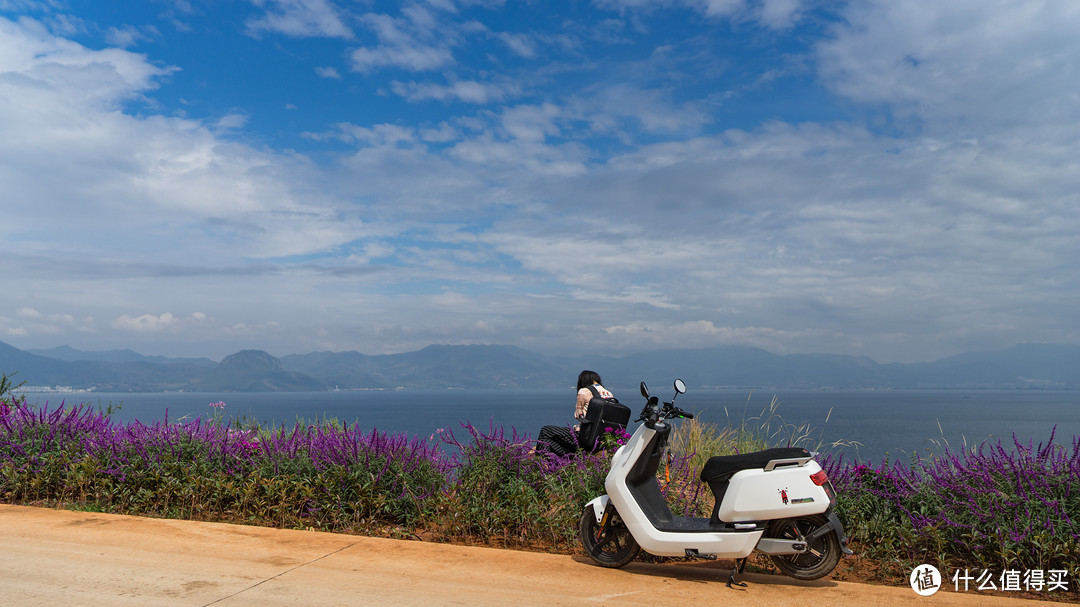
{"points": [[553, 354]]}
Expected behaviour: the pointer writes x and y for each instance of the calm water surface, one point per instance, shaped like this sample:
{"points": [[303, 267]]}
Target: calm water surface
{"points": [[897, 423]]}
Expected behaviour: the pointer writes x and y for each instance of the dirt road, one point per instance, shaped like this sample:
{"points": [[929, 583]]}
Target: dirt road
{"points": [[60, 558]]}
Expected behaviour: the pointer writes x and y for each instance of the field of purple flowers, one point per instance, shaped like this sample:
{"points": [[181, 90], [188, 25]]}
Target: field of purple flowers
{"points": [[995, 507], [325, 476]]}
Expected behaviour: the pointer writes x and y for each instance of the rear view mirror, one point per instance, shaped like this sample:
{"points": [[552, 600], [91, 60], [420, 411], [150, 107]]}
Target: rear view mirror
{"points": [[680, 386], [644, 390]]}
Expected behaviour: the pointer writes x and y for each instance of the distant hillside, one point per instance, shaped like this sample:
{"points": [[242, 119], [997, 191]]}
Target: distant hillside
{"points": [[103, 376], [67, 353], [1038, 366], [248, 371], [254, 371], [1021, 366], [435, 367], [743, 366]]}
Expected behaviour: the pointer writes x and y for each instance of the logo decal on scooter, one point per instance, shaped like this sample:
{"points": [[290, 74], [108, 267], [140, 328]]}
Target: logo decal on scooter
{"points": [[802, 500], [783, 495]]}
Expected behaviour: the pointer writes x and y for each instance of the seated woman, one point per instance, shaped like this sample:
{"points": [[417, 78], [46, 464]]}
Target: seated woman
{"points": [[563, 440]]}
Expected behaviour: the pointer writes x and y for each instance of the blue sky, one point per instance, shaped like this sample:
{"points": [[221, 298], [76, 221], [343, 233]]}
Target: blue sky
{"points": [[896, 179]]}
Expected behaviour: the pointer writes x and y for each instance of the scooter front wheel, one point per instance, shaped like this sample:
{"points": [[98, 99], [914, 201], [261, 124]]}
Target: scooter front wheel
{"points": [[609, 545], [821, 556]]}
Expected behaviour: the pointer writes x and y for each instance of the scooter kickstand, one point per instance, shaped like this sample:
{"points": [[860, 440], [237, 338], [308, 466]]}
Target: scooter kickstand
{"points": [[740, 564]]}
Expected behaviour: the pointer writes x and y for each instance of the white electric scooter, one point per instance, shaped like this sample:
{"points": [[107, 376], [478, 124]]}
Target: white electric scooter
{"points": [[777, 501]]}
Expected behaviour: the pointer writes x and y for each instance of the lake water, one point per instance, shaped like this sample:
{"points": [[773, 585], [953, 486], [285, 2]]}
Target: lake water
{"points": [[897, 423]]}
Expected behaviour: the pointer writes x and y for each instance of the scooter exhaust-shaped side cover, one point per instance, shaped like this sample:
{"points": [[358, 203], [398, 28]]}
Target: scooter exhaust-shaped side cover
{"points": [[768, 545]]}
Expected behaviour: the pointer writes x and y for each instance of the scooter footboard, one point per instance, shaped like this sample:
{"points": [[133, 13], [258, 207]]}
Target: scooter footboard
{"points": [[759, 495], [724, 545]]}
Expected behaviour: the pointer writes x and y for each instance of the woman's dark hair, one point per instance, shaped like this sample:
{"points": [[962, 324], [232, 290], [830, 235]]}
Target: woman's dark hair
{"points": [[587, 378]]}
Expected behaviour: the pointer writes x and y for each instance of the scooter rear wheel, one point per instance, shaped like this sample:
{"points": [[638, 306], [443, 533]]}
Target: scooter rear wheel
{"points": [[822, 555], [610, 547]]}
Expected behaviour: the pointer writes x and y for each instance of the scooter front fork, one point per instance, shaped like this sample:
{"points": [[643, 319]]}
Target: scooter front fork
{"points": [[604, 520]]}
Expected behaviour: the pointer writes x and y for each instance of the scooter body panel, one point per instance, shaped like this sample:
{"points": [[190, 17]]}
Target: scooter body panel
{"points": [[783, 492], [666, 543]]}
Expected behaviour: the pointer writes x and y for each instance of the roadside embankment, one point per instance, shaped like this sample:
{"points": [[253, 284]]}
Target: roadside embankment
{"points": [[57, 557]]}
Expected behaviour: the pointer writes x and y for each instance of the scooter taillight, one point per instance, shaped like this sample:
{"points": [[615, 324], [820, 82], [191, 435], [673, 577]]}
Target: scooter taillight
{"points": [[819, 478]]}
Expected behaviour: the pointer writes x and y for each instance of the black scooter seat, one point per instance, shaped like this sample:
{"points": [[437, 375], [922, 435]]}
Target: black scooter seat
{"points": [[726, 465]]}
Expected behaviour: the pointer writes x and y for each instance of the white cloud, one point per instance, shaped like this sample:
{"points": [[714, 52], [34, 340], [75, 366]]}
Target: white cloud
{"points": [[774, 14], [721, 7], [699, 333], [129, 35], [419, 40], [148, 323], [299, 18], [441, 134], [67, 152], [947, 220], [627, 108], [231, 121], [634, 294], [28, 313], [779, 14], [404, 43], [531, 123], [468, 91], [522, 45], [145, 323], [328, 72], [417, 58], [32, 322], [63, 73], [525, 157], [967, 64], [246, 329], [377, 135]]}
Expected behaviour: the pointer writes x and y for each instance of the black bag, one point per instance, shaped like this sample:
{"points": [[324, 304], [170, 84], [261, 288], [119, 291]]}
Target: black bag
{"points": [[602, 413]]}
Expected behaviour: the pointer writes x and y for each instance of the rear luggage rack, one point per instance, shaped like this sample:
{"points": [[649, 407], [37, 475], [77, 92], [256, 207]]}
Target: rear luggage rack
{"points": [[794, 461]]}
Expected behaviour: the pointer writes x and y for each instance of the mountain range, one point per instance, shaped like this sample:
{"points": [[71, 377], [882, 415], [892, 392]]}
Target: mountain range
{"points": [[1032, 366]]}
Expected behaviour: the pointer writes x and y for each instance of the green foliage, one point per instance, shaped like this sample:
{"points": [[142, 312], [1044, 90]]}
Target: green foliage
{"points": [[504, 493], [768, 429], [991, 507], [693, 442], [324, 477], [8, 398]]}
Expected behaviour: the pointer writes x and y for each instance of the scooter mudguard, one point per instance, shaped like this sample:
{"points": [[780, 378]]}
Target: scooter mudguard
{"points": [[599, 505]]}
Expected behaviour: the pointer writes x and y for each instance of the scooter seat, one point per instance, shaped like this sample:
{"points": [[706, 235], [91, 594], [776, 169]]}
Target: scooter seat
{"points": [[726, 465]]}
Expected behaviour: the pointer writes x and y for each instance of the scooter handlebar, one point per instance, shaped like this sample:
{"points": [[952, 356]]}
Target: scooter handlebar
{"points": [[652, 412], [649, 413]]}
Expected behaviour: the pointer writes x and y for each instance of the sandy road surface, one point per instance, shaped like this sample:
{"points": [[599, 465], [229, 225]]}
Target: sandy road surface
{"points": [[60, 558]]}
